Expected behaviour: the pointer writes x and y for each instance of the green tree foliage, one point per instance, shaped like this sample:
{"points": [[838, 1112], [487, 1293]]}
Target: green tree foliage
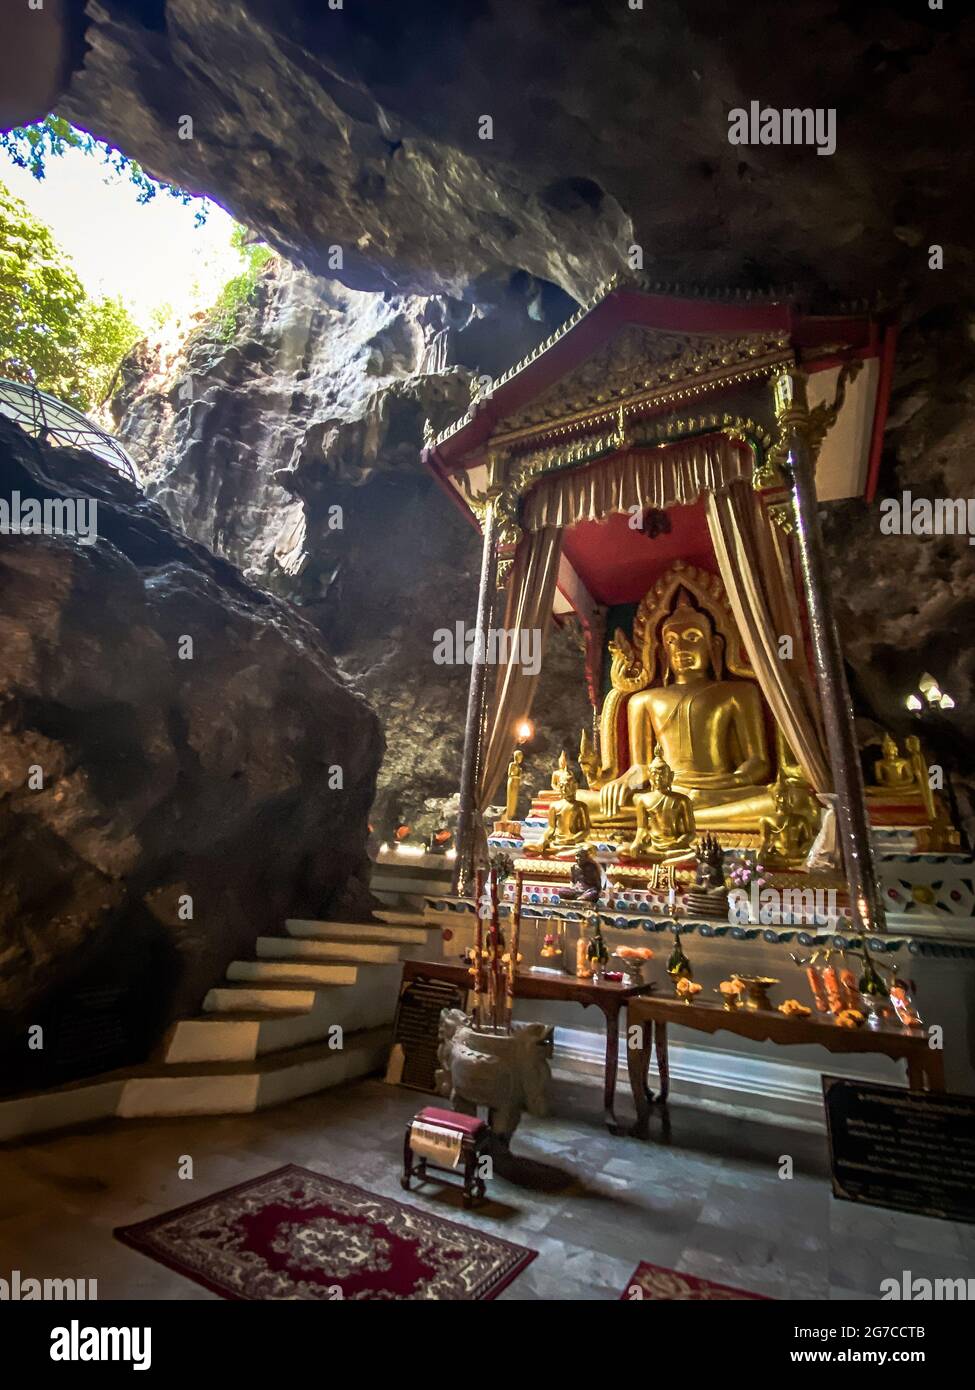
{"points": [[51, 332], [225, 314], [31, 146]]}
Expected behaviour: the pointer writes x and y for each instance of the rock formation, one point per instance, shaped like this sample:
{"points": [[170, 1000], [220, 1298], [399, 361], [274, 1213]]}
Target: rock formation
{"points": [[169, 740], [442, 145], [292, 448]]}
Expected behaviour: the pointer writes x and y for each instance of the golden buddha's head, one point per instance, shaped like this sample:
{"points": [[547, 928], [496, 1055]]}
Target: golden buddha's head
{"points": [[568, 786], [660, 774], [889, 747], [689, 643]]}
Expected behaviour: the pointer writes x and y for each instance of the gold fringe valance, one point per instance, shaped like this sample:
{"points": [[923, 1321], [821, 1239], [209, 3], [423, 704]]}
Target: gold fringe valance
{"points": [[666, 475]]}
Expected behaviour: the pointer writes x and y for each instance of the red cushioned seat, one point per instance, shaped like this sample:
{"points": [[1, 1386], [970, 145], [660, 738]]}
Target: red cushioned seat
{"points": [[451, 1119]]}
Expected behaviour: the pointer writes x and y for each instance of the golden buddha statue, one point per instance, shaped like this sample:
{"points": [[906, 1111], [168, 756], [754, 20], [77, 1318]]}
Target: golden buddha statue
{"points": [[559, 773], [588, 758], [710, 731], [893, 772], [568, 819], [664, 818], [788, 834], [514, 785]]}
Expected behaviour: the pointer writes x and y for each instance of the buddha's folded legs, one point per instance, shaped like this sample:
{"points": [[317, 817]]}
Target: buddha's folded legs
{"points": [[740, 808]]}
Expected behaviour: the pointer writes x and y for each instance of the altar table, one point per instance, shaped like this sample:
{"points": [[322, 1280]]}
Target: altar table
{"points": [[608, 996], [925, 1065]]}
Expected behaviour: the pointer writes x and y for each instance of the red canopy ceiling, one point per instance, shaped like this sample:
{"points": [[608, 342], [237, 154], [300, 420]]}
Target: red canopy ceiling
{"points": [[618, 564]]}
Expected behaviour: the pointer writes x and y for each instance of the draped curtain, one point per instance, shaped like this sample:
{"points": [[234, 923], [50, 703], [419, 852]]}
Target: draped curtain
{"points": [[665, 476], [531, 593], [754, 569]]}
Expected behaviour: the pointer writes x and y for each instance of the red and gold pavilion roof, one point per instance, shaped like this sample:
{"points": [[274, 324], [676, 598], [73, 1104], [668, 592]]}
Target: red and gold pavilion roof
{"points": [[656, 366]]}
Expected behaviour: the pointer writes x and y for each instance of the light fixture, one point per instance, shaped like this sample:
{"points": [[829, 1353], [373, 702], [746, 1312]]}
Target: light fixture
{"points": [[913, 703], [946, 702], [929, 688], [524, 730]]}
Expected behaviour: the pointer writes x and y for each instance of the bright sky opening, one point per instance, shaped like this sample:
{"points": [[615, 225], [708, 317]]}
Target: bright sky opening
{"points": [[151, 253]]}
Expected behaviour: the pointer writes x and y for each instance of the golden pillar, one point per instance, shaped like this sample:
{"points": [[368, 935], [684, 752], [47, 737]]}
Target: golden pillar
{"points": [[801, 432], [468, 819]]}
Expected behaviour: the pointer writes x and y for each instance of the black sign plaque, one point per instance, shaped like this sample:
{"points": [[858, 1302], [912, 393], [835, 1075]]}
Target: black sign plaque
{"points": [[416, 1031], [909, 1150]]}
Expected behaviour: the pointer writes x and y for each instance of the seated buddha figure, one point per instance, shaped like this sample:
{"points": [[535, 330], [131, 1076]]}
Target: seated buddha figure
{"points": [[568, 819], [710, 731], [788, 833], [664, 818], [893, 772]]}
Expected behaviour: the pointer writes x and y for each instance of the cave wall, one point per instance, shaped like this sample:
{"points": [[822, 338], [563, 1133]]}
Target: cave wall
{"points": [[135, 776], [316, 402]]}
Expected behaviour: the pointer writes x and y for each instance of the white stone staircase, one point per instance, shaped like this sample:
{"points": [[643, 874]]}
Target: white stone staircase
{"points": [[311, 1010]]}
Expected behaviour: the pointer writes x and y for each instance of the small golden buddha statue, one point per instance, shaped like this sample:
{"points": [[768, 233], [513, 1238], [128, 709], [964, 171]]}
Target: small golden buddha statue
{"points": [[568, 819], [788, 834], [588, 758], [514, 785], [892, 771], [664, 818], [560, 771]]}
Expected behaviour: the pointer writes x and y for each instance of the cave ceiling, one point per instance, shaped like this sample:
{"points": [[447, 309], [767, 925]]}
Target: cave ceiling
{"points": [[360, 127]]}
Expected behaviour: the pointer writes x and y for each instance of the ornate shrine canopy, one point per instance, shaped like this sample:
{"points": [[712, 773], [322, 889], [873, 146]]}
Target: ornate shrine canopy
{"points": [[651, 398]]}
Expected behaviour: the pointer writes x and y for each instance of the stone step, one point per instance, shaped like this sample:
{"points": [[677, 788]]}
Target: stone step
{"points": [[238, 1088], [398, 917], [292, 972], [241, 1034], [268, 998], [291, 948], [378, 932]]}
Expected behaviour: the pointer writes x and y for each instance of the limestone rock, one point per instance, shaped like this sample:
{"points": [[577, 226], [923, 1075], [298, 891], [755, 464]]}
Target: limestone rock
{"points": [[444, 145], [133, 779]]}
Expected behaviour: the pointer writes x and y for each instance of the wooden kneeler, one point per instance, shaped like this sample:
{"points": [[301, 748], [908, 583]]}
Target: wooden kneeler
{"points": [[464, 1138]]}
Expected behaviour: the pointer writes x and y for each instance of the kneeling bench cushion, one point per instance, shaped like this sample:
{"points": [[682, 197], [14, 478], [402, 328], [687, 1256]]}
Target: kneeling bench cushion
{"points": [[464, 1139], [451, 1119]]}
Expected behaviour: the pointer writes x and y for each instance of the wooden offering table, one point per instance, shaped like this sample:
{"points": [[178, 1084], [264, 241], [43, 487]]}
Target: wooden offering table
{"points": [[607, 995], [925, 1065]]}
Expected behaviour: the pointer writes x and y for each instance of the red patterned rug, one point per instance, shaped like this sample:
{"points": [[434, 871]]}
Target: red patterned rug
{"points": [[655, 1282], [295, 1234]]}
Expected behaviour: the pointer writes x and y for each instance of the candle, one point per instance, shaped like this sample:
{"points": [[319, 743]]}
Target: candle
{"points": [[513, 947], [478, 943], [583, 970]]}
